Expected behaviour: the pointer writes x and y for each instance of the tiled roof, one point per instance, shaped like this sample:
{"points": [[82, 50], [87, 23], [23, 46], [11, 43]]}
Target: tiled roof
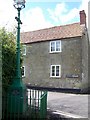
{"points": [[57, 32]]}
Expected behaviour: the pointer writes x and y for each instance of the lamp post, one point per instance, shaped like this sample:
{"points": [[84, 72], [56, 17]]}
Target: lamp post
{"points": [[19, 5], [17, 91]]}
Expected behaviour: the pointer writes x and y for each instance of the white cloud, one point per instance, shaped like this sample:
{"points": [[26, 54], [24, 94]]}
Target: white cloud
{"points": [[59, 10], [7, 14], [62, 15], [34, 19], [69, 16]]}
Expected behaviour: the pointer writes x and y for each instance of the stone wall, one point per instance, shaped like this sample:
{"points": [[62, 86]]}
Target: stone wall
{"points": [[38, 60], [85, 55], [89, 43]]}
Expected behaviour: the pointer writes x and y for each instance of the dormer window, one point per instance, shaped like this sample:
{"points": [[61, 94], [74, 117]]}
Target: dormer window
{"points": [[55, 46]]}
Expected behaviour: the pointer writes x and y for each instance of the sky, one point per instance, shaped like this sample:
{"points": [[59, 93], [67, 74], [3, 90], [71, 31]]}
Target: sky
{"points": [[40, 14]]}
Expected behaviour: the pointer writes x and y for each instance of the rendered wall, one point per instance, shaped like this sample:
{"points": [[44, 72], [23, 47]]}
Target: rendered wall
{"points": [[38, 60]]}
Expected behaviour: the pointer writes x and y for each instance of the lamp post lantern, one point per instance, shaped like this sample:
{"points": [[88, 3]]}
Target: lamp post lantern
{"points": [[17, 91]]}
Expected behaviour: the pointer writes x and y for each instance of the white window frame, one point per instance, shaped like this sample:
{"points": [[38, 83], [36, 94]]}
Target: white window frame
{"points": [[55, 46], [55, 71], [24, 71], [24, 50]]}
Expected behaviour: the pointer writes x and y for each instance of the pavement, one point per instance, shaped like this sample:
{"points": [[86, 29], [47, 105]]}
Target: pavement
{"points": [[69, 105]]}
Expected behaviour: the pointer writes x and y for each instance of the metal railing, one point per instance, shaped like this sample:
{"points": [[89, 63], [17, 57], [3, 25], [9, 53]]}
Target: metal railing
{"points": [[36, 106], [37, 103]]}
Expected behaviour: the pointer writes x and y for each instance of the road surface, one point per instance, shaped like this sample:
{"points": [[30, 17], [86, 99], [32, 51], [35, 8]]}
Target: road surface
{"points": [[71, 103]]}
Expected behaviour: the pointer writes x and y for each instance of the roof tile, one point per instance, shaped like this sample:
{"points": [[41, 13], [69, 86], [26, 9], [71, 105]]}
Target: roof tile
{"points": [[57, 32]]}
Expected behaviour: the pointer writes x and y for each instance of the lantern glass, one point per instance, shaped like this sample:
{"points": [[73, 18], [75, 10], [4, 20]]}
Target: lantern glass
{"points": [[19, 3]]}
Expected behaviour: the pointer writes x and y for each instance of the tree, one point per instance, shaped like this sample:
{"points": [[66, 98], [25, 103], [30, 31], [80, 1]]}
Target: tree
{"points": [[8, 57], [8, 43]]}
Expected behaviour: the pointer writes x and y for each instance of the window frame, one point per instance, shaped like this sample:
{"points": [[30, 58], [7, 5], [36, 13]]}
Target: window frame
{"points": [[55, 71], [24, 71], [55, 51], [24, 49]]}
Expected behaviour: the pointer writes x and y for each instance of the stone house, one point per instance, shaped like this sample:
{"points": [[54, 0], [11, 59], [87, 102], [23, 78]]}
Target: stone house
{"points": [[56, 57]]}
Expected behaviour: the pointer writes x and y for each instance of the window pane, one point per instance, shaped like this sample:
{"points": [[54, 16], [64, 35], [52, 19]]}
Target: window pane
{"points": [[57, 70], [53, 70], [22, 71], [52, 46], [24, 50], [57, 45]]}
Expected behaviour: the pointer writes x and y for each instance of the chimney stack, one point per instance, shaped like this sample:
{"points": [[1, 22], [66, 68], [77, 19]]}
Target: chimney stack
{"points": [[82, 17]]}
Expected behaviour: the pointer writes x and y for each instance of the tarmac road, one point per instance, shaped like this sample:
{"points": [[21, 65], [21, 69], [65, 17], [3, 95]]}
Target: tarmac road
{"points": [[70, 103]]}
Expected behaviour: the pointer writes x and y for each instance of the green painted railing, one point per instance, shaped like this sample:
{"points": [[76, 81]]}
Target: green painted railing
{"points": [[43, 105], [12, 108], [37, 103], [36, 106]]}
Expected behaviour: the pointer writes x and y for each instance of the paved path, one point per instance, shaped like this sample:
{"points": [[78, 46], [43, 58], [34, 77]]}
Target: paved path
{"points": [[71, 103]]}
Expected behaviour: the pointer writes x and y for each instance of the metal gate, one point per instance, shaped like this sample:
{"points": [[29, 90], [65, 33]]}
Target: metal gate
{"points": [[37, 103], [36, 106]]}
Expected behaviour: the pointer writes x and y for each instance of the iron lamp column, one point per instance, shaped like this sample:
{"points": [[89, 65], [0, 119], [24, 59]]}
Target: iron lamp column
{"points": [[17, 101], [19, 5], [18, 71]]}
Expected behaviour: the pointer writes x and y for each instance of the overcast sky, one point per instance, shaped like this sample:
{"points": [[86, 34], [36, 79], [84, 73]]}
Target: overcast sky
{"points": [[39, 14]]}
